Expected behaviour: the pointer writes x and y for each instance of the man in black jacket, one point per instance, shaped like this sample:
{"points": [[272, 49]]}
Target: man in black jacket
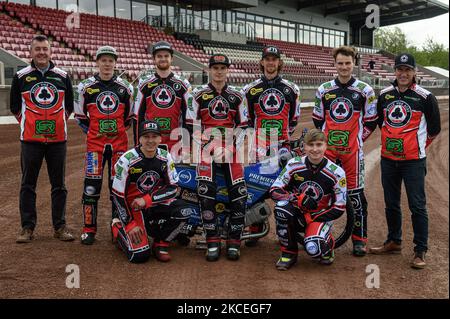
{"points": [[42, 101]]}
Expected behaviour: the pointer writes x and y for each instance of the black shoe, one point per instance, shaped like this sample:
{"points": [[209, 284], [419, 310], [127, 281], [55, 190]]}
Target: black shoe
{"points": [[213, 251], [183, 240], [359, 248], [286, 261], [233, 251], [87, 238]]}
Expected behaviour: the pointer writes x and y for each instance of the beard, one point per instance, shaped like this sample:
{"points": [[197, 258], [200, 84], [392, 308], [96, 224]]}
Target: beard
{"points": [[163, 66]]}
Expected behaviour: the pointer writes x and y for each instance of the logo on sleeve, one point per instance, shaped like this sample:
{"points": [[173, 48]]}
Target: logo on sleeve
{"points": [[107, 102], [44, 95], [398, 114]]}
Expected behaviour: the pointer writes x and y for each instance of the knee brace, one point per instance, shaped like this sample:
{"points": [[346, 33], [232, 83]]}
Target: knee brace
{"points": [[359, 204], [359, 201], [316, 246], [207, 199], [91, 195]]}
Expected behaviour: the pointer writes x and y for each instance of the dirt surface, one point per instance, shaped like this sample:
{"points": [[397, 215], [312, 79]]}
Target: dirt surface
{"points": [[38, 269]]}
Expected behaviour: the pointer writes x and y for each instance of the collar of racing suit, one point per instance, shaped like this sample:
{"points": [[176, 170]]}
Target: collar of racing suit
{"points": [[215, 90], [108, 82], [349, 83], [314, 168], [51, 65], [271, 82], [164, 79]]}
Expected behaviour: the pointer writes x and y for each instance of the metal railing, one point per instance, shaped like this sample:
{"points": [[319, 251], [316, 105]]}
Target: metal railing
{"points": [[191, 23]]}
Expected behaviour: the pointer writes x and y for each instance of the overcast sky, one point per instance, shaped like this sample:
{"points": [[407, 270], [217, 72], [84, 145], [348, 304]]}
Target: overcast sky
{"points": [[418, 31]]}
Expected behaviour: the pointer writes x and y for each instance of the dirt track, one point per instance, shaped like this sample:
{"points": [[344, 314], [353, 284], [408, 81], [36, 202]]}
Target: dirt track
{"points": [[37, 270]]}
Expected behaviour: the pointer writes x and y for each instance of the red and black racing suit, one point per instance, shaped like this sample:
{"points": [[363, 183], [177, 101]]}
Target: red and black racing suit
{"points": [[165, 101], [347, 114], [154, 179], [104, 112], [219, 113], [272, 104], [325, 183]]}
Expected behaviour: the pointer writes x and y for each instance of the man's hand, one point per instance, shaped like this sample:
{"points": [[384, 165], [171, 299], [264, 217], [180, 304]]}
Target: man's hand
{"points": [[306, 202], [136, 234], [138, 203]]}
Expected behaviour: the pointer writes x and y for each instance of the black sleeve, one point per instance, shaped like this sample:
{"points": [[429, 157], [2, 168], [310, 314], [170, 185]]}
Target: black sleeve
{"points": [[251, 112], [318, 123], [68, 100], [432, 116], [380, 111], [15, 102], [142, 107]]}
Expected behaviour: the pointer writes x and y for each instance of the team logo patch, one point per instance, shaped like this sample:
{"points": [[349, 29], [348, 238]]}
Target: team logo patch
{"points": [[311, 189], [44, 95], [45, 127], [107, 126], [355, 96], [269, 125], [272, 101], [394, 145], [338, 138], [341, 110], [164, 123], [218, 108], [107, 102], [398, 114], [147, 181], [163, 96]]}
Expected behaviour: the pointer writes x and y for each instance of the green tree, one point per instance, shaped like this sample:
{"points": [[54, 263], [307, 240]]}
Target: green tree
{"points": [[391, 39], [394, 40]]}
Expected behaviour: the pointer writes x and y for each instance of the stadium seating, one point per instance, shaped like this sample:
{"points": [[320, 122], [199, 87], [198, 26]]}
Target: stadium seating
{"points": [[74, 49]]}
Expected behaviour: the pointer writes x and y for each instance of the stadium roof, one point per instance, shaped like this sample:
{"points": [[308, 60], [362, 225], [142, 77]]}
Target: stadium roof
{"points": [[391, 11]]}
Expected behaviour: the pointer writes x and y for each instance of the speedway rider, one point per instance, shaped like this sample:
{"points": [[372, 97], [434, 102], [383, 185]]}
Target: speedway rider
{"points": [[273, 103], [346, 111], [220, 109], [104, 112], [145, 190], [163, 96], [309, 193]]}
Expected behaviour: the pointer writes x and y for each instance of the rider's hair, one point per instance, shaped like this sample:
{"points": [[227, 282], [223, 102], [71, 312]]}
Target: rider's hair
{"points": [[344, 50], [314, 135]]}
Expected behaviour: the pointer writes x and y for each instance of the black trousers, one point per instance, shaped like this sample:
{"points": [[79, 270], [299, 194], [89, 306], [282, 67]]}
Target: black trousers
{"points": [[412, 173], [31, 157]]}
